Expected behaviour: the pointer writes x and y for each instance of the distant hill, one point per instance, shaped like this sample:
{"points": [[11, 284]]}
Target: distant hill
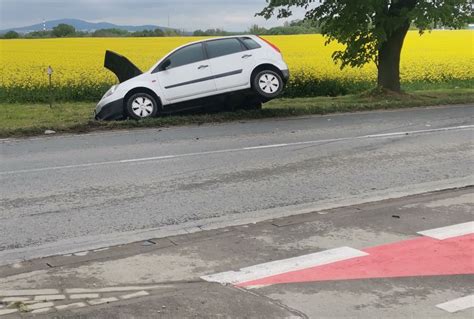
{"points": [[82, 25]]}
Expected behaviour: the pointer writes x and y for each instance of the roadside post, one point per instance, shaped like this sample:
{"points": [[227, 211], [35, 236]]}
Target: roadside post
{"points": [[50, 74]]}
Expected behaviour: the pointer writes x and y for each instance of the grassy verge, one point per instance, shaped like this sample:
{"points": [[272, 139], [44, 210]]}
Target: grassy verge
{"points": [[300, 85], [33, 119]]}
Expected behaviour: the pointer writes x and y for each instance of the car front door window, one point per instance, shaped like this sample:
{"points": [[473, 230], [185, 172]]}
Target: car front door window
{"points": [[187, 55]]}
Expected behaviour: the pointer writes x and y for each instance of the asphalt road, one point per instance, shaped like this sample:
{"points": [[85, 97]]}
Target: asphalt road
{"points": [[70, 192], [360, 261]]}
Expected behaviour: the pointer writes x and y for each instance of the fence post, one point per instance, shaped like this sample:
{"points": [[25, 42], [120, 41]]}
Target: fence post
{"points": [[50, 74]]}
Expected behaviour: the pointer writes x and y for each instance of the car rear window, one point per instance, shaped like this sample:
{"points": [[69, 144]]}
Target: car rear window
{"points": [[223, 47], [251, 44]]}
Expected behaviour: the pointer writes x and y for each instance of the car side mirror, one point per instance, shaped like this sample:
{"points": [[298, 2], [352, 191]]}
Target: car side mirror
{"points": [[166, 65]]}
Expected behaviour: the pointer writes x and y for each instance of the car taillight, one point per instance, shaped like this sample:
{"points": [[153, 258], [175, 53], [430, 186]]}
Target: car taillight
{"points": [[271, 44]]}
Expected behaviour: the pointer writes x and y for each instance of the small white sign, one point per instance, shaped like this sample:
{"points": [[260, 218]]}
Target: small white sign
{"points": [[49, 70]]}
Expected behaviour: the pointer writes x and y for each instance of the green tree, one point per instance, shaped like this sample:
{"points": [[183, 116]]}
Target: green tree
{"points": [[199, 33], [159, 33], [149, 33], [11, 35], [211, 32], [38, 34], [172, 33], [257, 30], [374, 30], [63, 30], [113, 32]]}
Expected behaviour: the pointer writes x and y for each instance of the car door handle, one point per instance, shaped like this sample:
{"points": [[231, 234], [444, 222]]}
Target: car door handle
{"points": [[246, 56], [203, 67]]}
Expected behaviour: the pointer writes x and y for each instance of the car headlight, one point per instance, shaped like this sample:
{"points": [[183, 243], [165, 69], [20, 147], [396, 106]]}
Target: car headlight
{"points": [[111, 91]]}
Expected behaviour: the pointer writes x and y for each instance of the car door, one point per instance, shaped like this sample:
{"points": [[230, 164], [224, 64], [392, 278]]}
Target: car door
{"points": [[231, 63], [185, 73]]}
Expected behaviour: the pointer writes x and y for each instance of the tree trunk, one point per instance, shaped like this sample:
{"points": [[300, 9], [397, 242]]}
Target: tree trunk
{"points": [[389, 59]]}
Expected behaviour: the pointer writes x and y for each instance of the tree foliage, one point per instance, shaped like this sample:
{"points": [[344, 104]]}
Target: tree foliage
{"points": [[211, 32], [112, 32], [148, 33], [39, 34], [11, 35], [364, 26], [63, 30], [292, 27]]}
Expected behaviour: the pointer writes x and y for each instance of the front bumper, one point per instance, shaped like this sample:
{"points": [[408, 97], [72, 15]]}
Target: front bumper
{"points": [[111, 111]]}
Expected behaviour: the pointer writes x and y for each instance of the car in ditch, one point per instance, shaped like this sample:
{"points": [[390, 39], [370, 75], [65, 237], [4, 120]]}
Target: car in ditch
{"points": [[230, 71]]}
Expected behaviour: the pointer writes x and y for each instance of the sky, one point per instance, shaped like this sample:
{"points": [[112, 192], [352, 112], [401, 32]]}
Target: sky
{"points": [[231, 15]]}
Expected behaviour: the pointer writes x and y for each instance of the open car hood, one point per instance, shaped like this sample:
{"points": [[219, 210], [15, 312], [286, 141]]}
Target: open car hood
{"points": [[121, 66]]}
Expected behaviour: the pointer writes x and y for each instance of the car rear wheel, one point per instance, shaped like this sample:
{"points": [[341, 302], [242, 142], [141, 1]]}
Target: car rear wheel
{"points": [[141, 106], [268, 84]]}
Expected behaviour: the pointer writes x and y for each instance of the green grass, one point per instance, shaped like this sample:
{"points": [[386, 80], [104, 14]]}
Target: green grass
{"points": [[300, 85], [33, 119]]}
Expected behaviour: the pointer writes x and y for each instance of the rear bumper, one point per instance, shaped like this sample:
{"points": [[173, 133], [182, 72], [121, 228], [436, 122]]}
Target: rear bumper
{"points": [[110, 111], [286, 75]]}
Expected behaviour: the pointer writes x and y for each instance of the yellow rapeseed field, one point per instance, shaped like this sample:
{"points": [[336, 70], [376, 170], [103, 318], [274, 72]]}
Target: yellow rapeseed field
{"points": [[78, 62], [433, 56]]}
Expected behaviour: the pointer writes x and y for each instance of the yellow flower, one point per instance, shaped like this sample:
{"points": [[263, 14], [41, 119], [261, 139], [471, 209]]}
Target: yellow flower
{"points": [[433, 57]]}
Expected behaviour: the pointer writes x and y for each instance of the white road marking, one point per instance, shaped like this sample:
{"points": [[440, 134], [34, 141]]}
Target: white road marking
{"points": [[458, 304], [256, 286], [7, 311], [101, 301], [285, 265], [40, 305], [142, 293], [111, 289], [30, 302], [15, 299], [251, 148], [449, 231], [71, 306], [84, 296], [81, 254], [28, 292], [42, 310], [50, 297]]}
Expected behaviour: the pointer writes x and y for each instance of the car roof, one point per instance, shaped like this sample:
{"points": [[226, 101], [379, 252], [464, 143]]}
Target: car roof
{"points": [[200, 41], [215, 38]]}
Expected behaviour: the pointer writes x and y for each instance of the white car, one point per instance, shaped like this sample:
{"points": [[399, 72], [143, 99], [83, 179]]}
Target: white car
{"points": [[239, 70]]}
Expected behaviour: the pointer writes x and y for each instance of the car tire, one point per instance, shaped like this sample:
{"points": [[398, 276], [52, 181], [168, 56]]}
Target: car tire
{"points": [[268, 84], [141, 106]]}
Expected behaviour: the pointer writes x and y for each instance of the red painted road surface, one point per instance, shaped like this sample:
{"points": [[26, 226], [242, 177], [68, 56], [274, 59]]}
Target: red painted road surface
{"points": [[422, 256]]}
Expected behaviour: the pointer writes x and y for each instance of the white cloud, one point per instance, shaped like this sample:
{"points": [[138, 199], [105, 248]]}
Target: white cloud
{"points": [[185, 14]]}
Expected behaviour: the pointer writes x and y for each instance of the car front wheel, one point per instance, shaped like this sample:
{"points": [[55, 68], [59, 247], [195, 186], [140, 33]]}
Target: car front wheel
{"points": [[268, 84], [141, 106]]}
